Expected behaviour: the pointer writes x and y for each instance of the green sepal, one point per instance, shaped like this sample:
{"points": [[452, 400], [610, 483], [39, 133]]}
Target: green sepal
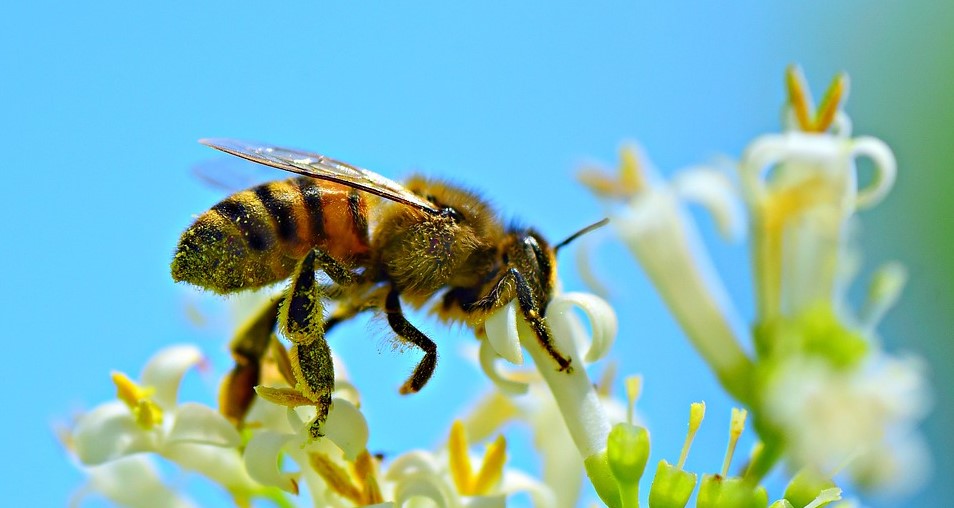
{"points": [[672, 487], [718, 492], [806, 486], [598, 471]]}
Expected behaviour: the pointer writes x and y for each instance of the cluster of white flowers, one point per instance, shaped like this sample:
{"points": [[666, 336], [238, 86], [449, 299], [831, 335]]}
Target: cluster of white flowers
{"points": [[824, 396]]}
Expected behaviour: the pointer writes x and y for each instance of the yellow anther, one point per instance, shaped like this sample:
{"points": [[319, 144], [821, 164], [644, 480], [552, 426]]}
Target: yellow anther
{"points": [[697, 411], [128, 391], [799, 99], [491, 471], [831, 102], [630, 173], [146, 412], [461, 469], [335, 477], [366, 470], [736, 426], [629, 182], [634, 388]]}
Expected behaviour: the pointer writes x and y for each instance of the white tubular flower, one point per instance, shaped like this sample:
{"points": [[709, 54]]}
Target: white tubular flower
{"points": [[801, 190], [147, 418], [577, 400], [655, 226], [834, 398], [574, 393], [861, 419]]}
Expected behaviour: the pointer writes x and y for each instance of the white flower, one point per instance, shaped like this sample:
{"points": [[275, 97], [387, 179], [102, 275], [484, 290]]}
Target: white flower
{"points": [[147, 418], [449, 479], [655, 226], [862, 419], [801, 190], [130, 481]]}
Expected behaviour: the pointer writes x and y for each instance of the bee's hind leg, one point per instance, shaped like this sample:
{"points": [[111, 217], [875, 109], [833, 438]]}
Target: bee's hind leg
{"points": [[300, 319], [248, 347], [408, 333]]}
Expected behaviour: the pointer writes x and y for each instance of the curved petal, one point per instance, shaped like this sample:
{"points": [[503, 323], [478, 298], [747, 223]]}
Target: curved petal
{"points": [[713, 190], [426, 486], [488, 363], [347, 428], [542, 496], [885, 170], [412, 463], [221, 465], [195, 423], [262, 454], [165, 369], [501, 327], [133, 482], [109, 432], [601, 316]]}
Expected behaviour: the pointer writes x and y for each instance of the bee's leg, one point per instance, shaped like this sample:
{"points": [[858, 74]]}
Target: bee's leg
{"points": [[533, 313], [407, 332], [300, 319], [336, 271], [249, 345]]}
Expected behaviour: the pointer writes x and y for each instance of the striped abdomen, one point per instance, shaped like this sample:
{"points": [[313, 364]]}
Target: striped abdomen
{"points": [[257, 236]]}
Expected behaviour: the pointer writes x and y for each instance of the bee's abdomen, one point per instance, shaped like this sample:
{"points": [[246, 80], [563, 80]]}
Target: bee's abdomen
{"points": [[256, 237]]}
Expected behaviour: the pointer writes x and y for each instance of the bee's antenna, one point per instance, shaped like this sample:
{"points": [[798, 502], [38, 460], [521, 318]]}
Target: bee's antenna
{"points": [[587, 229]]}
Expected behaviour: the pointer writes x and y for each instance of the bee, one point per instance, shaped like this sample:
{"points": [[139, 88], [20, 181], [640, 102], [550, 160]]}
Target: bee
{"points": [[378, 242]]}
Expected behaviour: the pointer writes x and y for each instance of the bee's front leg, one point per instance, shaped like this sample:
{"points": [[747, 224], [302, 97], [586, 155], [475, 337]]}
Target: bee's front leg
{"points": [[407, 332], [533, 313]]}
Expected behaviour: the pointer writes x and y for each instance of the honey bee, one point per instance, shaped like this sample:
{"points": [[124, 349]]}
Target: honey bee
{"points": [[379, 242]]}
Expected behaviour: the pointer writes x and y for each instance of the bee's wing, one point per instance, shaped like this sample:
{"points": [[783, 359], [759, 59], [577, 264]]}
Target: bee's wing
{"points": [[231, 174], [321, 167]]}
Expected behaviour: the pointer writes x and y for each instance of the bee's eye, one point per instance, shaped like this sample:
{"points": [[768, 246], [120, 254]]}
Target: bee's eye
{"points": [[452, 213]]}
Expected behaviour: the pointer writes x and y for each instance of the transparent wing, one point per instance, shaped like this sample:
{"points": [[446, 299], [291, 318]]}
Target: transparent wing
{"points": [[231, 174], [321, 167]]}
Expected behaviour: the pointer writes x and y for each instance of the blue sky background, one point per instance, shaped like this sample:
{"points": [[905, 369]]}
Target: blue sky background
{"points": [[103, 103]]}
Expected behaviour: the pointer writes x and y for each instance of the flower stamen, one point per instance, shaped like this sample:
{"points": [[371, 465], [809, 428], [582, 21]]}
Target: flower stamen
{"points": [[147, 413]]}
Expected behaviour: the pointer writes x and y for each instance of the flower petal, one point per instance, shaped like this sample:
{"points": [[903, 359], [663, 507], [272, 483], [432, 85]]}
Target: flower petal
{"points": [[713, 190], [501, 326], [195, 423], [429, 486], [108, 432], [488, 363], [601, 316], [347, 428], [165, 369], [262, 454], [542, 496], [219, 464], [133, 482]]}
